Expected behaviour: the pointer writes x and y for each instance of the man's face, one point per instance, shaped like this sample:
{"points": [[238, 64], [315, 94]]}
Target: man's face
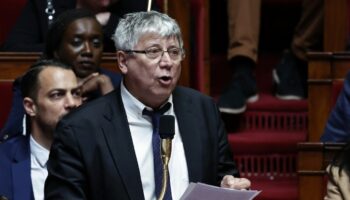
{"points": [[57, 94], [152, 80], [82, 46]]}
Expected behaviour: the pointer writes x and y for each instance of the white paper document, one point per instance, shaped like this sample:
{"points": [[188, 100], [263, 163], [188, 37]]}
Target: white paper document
{"points": [[201, 191]]}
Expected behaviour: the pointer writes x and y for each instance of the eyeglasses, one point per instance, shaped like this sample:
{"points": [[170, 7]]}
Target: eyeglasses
{"points": [[174, 53]]}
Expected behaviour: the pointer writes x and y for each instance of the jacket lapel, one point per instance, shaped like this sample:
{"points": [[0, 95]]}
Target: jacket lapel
{"points": [[119, 141], [22, 184], [190, 135]]}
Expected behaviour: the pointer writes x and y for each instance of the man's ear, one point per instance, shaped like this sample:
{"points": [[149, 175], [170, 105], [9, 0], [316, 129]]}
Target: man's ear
{"points": [[122, 58], [29, 106]]}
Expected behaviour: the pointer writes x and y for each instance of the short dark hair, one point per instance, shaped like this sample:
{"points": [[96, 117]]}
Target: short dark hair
{"points": [[59, 26], [29, 81]]}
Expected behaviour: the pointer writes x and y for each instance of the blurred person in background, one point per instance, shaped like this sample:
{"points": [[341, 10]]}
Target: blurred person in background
{"points": [[30, 31], [289, 75], [338, 173]]}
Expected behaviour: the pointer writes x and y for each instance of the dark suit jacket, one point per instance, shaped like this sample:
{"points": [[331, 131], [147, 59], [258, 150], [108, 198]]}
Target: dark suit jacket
{"points": [[15, 179], [338, 125], [92, 156]]}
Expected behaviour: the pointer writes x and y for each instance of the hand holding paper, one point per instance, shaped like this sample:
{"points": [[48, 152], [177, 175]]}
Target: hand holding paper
{"points": [[230, 181]]}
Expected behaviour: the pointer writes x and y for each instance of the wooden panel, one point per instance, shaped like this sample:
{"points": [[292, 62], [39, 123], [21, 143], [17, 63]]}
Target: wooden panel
{"points": [[319, 65], [12, 65], [310, 159], [311, 183], [180, 11], [313, 158], [335, 25], [319, 102], [200, 63], [324, 68], [193, 16]]}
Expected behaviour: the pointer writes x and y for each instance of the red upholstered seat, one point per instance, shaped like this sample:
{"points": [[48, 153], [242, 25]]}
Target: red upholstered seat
{"points": [[6, 100], [283, 189], [272, 173], [265, 142], [271, 103]]}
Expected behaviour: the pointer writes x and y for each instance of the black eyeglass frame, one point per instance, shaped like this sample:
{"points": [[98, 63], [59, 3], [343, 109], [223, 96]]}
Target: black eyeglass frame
{"points": [[181, 50]]}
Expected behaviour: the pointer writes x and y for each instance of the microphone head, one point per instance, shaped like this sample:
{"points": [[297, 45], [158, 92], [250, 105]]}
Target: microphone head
{"points": [[167, 126]]}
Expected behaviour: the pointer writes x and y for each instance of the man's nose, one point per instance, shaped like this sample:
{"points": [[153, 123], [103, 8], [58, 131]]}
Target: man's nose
{"points": [[165, 58], [72, 102], [87, 47]]}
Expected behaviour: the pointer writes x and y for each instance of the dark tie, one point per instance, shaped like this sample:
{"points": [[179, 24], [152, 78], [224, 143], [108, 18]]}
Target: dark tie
{"points": [[158, 164]]}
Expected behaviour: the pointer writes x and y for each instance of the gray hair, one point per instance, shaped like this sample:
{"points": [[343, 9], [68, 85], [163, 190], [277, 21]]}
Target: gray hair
{"points": [[134, 25]]}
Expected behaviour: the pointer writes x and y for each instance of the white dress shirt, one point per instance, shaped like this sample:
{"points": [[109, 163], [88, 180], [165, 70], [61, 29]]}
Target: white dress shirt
{"points": [[141, 133], [38, 156]]}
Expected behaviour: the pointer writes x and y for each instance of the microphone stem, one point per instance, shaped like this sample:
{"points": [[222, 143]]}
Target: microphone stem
{"points": [[165, 7], [165, 153], [164, 182], [149, 5]]}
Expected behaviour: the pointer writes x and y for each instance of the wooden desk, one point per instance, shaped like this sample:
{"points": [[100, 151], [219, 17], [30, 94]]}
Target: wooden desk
{"points": [[313, 158], [324, 68], [13, 64]]}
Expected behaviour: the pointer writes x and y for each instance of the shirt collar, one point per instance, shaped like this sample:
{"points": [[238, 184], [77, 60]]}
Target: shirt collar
{"points": [[39, 152], [135, 107]]}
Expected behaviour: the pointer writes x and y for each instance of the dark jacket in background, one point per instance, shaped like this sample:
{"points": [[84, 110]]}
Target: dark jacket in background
{"points": [[16, 182], [337, 128]]}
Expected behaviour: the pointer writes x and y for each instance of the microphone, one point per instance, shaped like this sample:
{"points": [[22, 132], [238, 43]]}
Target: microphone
{"points": [[166, 133]]}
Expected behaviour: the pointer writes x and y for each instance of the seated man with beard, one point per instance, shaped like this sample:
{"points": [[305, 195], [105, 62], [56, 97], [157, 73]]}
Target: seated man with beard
{"points": [[50, 90]]}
